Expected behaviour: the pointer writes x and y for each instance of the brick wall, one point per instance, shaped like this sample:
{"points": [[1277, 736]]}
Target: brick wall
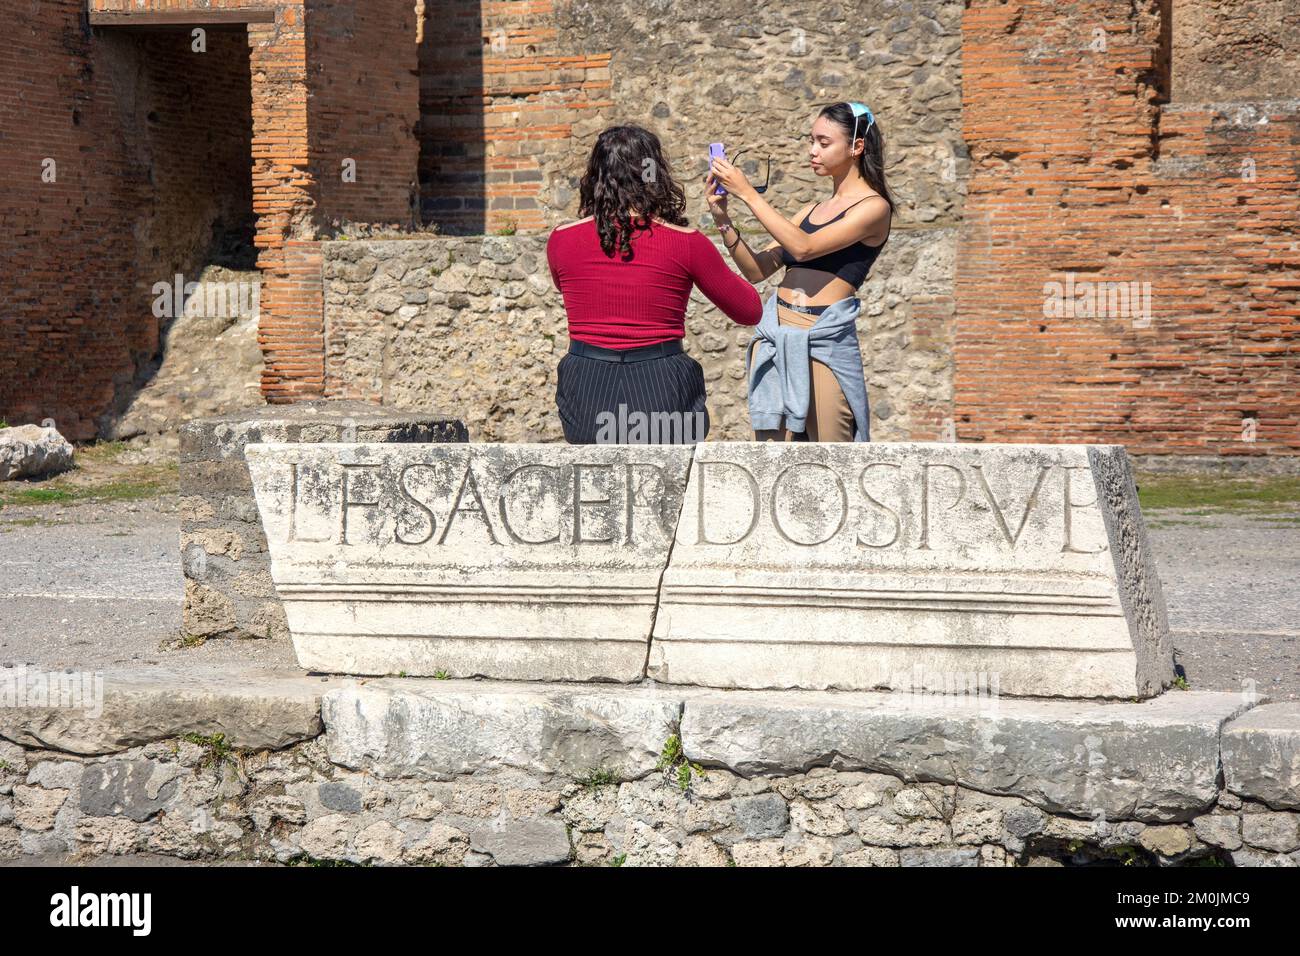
{"points": [[149, 142], [330, 80], [501, 88], [1081, 173], [363, 106], [337, 82]]}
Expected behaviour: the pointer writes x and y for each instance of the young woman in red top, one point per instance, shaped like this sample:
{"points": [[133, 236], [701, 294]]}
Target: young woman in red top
{"points": [[625, 272]]}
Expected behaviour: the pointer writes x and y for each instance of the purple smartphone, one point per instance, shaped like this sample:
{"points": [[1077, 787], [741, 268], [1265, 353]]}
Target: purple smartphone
{"points": [[717, 150]]}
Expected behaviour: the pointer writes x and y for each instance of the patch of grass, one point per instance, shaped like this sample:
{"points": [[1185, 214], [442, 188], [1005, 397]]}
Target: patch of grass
{"points": [[127, 490], [28, 522], [1181, 683], [441, 675], [596, 778], [509, 229], [182, 640], [216, 749], [1211, 495], [618, 860], [73, 487], [38, 496], [1281, 521], [673, 759], [5, 766], [101, 451]]}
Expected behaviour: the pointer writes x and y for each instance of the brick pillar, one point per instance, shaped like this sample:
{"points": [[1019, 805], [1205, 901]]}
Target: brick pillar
{"points": [[283, 199]]}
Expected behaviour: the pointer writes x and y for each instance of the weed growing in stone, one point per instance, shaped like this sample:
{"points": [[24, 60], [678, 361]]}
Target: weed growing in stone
{"points": [[595, 778], [216, 749], [673, 759]]}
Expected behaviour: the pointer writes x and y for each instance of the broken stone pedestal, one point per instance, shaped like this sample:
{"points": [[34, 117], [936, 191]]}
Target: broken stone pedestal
{"points": [[228, 588]]}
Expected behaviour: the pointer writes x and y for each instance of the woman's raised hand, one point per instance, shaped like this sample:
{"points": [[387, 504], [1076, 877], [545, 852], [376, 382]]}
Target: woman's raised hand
{"points": [[731, 179], [717, 204]]}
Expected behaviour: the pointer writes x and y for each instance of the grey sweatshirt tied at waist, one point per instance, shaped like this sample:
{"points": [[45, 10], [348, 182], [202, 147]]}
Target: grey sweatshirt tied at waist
{"points": [[777, 366]]}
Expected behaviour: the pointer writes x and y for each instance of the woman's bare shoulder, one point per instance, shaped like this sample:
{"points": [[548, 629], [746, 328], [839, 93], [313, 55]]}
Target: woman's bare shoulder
{"points": [[686, 229], [570, 225]]}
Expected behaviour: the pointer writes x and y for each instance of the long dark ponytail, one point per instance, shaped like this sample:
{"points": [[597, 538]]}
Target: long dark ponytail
{"points": [[871, 161], [627, 170]]}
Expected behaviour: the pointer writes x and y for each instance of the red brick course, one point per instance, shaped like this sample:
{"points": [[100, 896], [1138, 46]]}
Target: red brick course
{"points": [[497, 91], [1079, 167]]}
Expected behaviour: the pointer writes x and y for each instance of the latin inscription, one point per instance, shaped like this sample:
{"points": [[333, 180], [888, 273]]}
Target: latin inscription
{"points": [[877, 506]]}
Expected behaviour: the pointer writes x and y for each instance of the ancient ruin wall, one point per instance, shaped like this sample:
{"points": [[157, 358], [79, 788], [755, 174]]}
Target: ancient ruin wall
{"points": [[474, 324], [125, 155], [1127, 269]]}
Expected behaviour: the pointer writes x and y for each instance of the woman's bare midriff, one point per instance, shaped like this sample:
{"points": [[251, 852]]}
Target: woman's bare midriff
{"points": [[809, 287]]}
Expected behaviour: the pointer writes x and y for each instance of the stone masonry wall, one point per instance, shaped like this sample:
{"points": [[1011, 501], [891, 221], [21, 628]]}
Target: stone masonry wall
{"points": [[474, 324], [195, 799], [1226, 50], [250, 764], [228, 586], [320, 95]]}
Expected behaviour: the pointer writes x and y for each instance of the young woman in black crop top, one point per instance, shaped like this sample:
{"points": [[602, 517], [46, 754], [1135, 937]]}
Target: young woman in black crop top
{"points": [[826, 249]]}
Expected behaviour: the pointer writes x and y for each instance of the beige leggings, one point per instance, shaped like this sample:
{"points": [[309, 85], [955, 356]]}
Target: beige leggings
{"points": [[829, 416]]}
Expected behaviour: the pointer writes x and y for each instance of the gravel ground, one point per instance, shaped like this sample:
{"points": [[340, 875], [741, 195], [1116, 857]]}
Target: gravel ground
{"points": [[1232, 586], [93, 585]]}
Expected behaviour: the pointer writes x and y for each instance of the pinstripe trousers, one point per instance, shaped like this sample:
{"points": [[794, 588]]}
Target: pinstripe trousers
{"points": [[587, 387]]}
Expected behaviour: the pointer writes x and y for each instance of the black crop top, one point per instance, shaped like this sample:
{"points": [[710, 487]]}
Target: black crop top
{"points": [[852, 263]]}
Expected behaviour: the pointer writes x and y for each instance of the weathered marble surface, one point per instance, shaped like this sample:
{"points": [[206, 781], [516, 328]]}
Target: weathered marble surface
{"points": [[1009, 569], [1022, 568], [518, 561], [1152, 760], [90, 713], [403, 728], [1261, 755]]}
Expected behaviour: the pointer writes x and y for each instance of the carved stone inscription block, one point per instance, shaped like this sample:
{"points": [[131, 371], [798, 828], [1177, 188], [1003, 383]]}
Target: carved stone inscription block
{"points": [[537, 562], [1024, 569]]}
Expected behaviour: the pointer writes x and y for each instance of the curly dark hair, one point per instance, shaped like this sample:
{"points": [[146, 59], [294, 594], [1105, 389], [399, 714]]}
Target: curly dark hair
{"points": [[627, 172]]}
